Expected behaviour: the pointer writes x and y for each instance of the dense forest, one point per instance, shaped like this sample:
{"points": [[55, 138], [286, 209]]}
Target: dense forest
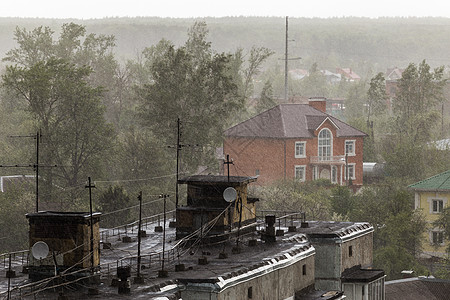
{"points": [[359, 43], [109, 98]]}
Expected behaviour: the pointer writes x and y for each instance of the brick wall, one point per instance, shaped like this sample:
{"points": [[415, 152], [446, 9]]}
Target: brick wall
{"points": [[274, 159]]}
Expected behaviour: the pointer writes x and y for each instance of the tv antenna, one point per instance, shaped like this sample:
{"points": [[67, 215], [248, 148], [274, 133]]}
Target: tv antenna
{"points": [[179, 146], [35, 166]]}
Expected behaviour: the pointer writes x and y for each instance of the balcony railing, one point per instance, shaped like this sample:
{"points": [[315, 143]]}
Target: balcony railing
{"points": [[327, 160]]}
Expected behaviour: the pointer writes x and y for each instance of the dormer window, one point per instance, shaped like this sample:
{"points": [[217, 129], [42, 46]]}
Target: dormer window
{"points": [[325, 142]]}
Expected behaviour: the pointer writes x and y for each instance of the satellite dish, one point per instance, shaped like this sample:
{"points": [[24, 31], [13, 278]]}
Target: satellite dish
{"points": [[229, 194], [39, 250]]}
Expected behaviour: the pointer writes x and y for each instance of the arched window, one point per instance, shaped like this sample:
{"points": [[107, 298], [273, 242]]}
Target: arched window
{"points": [[325, 142]]}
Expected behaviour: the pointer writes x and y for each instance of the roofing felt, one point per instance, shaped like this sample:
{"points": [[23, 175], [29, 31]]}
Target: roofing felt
{"points": [[289, 121], [358, 274], [214, 179], [335, 229], [417, 289], [62, 214], [439, 182]]}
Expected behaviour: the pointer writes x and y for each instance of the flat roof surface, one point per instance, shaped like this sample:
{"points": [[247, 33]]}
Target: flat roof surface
{"points": [[337, 229], [417, 289], [59, 214], [218, 271], [213, 179], [361, 275]]}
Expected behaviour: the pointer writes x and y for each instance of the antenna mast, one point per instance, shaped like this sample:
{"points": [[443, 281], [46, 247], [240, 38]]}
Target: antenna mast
{"points": [[35, 166], [286, 64]]}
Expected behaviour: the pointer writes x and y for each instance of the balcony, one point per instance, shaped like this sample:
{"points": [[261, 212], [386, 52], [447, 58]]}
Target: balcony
{"points": [[327, 160]]}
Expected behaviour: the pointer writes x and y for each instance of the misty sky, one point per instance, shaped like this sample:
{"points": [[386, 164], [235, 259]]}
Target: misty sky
{"points": [[88, 9]]}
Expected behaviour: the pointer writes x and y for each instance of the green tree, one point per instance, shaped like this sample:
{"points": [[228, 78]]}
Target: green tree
{"points": [[356, 100], [114, 203], [70, 114], [420, 90], [75, 46], [265, 100], [190, 83], [342, 201], [315, 84], [312, 198], [376, 97], [398, 228], [15, 203]]}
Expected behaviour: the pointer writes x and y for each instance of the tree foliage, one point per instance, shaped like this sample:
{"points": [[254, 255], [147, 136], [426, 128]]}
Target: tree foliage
{"points": [[376, 96], [68, 111], [420, 90], [310, 197], [190, 83], [398, 228], [114, 204]]}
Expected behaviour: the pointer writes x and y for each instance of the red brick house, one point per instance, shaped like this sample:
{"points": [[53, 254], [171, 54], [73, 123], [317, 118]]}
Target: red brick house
{"points": [[296, 141], [348, 74]]}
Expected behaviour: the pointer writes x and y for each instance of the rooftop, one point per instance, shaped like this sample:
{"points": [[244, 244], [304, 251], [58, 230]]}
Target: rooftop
{"points": [[289, 121], [215, 179], [218, 272], [417, 289], [358, 274], [439, 182], [330, 229]]}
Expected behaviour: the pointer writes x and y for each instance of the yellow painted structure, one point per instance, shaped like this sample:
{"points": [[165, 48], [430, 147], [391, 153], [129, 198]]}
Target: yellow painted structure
{"points": [[431, 197]]}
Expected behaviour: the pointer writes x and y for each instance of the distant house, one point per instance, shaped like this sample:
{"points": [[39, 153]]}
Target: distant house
{"points": [[394, 73], [298, 74], [432, 195], [348, 74], [296, 141], [331, 77]]}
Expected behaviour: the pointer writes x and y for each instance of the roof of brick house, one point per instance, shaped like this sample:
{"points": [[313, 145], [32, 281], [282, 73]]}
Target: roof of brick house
{"points": [[289, 121]]}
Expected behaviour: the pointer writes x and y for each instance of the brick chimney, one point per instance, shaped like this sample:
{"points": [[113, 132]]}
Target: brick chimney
{"points": [[319, 103]]}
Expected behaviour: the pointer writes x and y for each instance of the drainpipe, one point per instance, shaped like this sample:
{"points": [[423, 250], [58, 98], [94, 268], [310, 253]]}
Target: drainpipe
{"points": [[284, 159]]}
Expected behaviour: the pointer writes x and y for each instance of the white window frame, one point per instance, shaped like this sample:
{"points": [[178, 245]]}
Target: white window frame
{"points": [[303, 146], [320, 148], [353, 143], [431, 200], [439, 205], [353, 166], [437, 231], [304, 173], [334, 180], [315, 172]]}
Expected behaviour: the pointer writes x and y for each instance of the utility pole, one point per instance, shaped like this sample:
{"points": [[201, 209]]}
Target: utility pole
{"points": [[286, 65], [90, 186], [286, 59], [139, 236], [178, 157], [162, 272]]}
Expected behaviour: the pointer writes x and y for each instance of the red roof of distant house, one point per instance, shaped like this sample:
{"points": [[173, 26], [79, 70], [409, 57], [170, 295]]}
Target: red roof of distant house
{"points": [[349, 74], [394, 74], [289, 121]]}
